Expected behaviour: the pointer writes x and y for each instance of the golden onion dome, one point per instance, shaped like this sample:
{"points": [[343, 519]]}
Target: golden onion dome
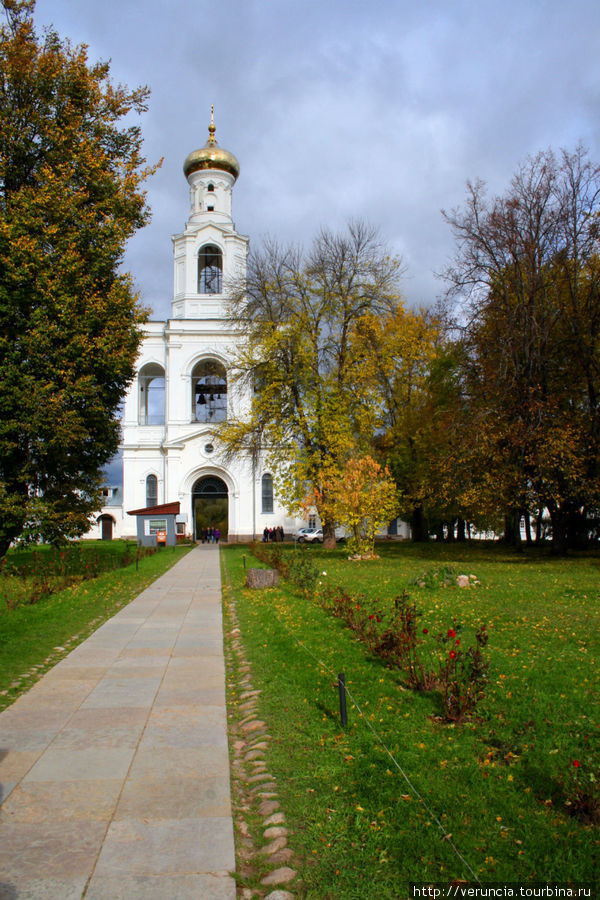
{"points": [[211, 156]]}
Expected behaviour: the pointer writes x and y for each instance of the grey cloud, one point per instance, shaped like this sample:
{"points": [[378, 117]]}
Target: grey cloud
{"points": [[340, 108]]}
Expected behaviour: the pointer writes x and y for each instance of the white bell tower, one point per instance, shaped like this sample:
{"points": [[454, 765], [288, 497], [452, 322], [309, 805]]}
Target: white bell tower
{"points": [[184, 386], [209, 255]]}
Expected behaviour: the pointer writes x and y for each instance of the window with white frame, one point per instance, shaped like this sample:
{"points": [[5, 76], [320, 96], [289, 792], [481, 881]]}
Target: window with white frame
{"points": [[267, 493], [156, 525], [151, 490]]}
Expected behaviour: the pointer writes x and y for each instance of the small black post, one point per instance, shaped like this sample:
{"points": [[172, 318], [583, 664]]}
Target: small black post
{"points": [[244, 558], [342, 690]]}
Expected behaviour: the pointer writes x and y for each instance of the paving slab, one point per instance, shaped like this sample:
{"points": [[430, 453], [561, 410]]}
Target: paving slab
{"points": [[114, 767], [159, 887], [147, 846]]}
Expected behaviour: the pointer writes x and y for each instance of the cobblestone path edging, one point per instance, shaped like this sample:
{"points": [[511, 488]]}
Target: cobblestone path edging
{"points": [[253, 789]]}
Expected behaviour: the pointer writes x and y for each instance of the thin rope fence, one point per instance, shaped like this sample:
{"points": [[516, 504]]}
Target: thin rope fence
{"points": [[447, 837], [413, 789]]}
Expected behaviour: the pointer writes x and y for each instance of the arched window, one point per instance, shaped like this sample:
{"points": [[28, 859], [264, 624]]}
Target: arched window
{"points": [[210, 270], [267, 493], [152, 395], [209, 392], [151, 490]]}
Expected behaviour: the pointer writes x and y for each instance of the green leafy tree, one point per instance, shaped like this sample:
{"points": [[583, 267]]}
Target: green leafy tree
{"points": [[71, 176], [305, 356]]}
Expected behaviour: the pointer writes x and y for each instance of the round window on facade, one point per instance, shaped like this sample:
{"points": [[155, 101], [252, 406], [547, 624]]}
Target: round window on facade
{"points": [[208, 448]]}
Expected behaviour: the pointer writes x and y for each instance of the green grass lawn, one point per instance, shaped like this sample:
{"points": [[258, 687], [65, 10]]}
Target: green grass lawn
{"points": [[34, 636], [497, 785]]}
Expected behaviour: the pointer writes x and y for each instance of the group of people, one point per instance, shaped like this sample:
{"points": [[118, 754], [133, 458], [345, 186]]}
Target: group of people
{"points": [[273, 534], [210, 535]]}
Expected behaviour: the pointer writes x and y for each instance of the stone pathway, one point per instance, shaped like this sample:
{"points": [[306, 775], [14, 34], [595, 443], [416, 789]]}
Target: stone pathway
{"points": [[114, 767]]}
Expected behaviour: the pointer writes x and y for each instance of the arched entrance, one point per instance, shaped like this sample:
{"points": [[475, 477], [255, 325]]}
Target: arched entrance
{"points": [[210, 505]]}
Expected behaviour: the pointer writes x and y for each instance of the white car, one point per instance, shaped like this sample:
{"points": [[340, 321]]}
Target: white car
{"points": [[311, 536]]}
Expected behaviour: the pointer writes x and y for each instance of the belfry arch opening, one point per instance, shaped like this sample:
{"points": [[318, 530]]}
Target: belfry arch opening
{"points": [[210, 506], [151, 395], [209, 392], [210, 270]]}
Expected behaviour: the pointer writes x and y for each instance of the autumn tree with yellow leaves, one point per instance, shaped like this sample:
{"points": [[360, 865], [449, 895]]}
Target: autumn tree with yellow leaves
{"points": [[404, 348], [364, 500], [306, 359], [71, 194]]}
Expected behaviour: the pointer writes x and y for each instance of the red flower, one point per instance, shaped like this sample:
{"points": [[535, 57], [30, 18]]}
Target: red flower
{"points": [[426, 631], [457, 641], [451, 632], [452, 654], [576, 763], [378, 619], [371, 617]]}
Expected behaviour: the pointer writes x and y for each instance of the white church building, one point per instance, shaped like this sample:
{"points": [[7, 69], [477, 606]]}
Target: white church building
{"points": [[181, 388]]}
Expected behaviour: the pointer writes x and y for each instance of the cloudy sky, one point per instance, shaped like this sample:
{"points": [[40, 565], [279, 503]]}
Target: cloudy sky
{"points": [[338, 109]]}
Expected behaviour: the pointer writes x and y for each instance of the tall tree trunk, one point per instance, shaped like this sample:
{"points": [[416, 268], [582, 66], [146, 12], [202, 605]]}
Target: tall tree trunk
{"points": [[512, 529], [528, 537], [577, 529], [329, 541], [418, 525], [539, 526], [460, 530], [559, 532]]}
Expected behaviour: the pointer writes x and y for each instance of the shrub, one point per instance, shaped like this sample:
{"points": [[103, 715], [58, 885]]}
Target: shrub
{"points": [[47, 570], [462, 675], [459, 673], [582, 788]]}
